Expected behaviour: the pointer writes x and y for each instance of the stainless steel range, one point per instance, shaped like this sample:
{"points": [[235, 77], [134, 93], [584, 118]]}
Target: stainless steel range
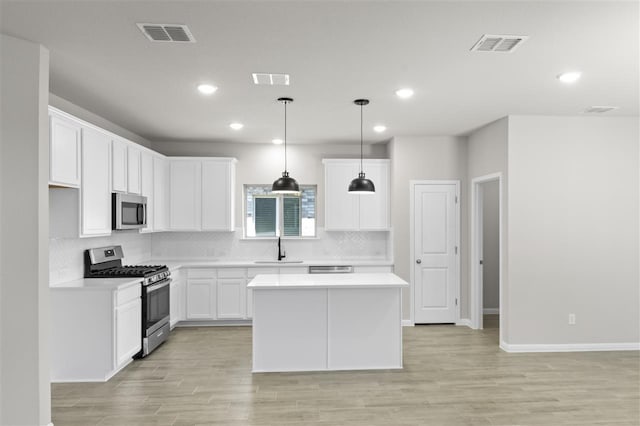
{"points": [[106, 262]]}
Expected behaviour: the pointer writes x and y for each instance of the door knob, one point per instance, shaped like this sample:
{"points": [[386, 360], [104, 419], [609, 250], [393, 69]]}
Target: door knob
{"points": [[419, 261]]}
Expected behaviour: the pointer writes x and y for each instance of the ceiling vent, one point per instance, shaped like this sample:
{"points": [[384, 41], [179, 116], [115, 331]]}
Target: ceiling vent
{"points": [[600, 109], [498, 43], [267, 79], [168, 33]]}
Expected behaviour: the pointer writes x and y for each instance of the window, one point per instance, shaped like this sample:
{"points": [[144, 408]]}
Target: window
{"points": [[276, 215]]}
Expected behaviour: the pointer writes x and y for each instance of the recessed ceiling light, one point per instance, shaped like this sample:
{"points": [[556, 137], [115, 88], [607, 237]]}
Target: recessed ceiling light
{"points": [[207, 89], [236, 126], [379, 128], [569, 77], [404, 93], [277, 141]]}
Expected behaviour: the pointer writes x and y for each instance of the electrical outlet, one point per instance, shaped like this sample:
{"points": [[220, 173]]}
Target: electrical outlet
{"points": [[572, 319]]}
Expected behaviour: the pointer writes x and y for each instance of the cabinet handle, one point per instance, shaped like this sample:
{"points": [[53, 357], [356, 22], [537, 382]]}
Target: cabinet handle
{"points": [[419, 261]]}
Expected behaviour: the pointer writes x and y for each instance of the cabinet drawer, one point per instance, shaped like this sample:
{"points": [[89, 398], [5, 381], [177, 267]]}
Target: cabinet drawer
{"points": [[128, 294], [252, 272], [231, 273], [201, 273]]}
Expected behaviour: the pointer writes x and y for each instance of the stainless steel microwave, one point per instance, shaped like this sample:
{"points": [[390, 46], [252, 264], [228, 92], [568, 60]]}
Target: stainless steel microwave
{"points": [[128, 211]]}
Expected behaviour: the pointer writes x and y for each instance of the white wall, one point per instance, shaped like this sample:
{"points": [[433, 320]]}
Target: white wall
{"points": [[425, 158], [573, 230], [487, 154], [24, 171], [490, 245], [264, 163]]}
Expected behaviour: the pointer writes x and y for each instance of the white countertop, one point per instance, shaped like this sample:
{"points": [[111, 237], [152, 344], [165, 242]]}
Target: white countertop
{"points": [[174, 264], [98, 284], [359, 280]]}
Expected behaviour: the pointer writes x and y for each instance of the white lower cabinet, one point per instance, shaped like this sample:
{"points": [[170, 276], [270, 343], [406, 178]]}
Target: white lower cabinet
{"points": [[94, 332], [231, 290], [177, 298], [128, 326], [201, 294]]}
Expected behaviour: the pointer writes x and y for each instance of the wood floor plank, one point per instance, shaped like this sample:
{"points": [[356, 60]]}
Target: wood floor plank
{"points": [[452, 376]]}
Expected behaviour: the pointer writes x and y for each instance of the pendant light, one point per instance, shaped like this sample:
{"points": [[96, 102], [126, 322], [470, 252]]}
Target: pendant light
{"points": [[285, 184], [361, 185]]}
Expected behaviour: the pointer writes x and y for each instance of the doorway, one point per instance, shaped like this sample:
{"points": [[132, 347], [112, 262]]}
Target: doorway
{"points": [[435, 257], [486, 252]]}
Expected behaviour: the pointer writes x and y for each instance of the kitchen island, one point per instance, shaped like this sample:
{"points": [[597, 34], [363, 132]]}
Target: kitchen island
{"points": [[315, 322]]}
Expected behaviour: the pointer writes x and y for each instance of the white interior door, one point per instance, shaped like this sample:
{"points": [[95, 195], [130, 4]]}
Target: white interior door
{"points": [[435, 251]]}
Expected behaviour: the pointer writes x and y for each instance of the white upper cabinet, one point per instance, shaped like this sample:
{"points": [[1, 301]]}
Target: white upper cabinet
{"points": [[202, 194], [118, 165], [64, 148], [218, 188], [133, 170], [95, 193], [147, 188], [185, 190], [374, 209], [342, 209], [160, 193], [351, 212]]}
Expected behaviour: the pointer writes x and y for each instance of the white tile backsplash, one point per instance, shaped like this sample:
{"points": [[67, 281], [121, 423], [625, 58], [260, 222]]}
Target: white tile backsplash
{"points": [[231, 246], [66, 255]]}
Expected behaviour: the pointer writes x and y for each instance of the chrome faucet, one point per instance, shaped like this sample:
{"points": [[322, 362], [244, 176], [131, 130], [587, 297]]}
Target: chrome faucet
{"points": [[281, 254]]}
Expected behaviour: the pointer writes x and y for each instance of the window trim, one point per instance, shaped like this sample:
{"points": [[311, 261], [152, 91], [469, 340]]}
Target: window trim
{"points": [[279, 214]]}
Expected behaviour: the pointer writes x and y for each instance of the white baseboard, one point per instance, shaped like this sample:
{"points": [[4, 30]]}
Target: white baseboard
{"points": [[407, 323], [464, 321], [491, 311], [570, 347]]}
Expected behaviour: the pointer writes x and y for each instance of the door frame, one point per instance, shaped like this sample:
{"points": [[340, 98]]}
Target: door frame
{"points": [[412, 187], [476, 249]]}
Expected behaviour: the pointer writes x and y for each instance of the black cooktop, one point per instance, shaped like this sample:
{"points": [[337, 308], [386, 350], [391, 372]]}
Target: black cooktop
{"points": [[128, 271]]}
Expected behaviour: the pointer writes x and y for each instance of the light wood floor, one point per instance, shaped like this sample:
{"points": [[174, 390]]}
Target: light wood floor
{"points": [[452, 376]]}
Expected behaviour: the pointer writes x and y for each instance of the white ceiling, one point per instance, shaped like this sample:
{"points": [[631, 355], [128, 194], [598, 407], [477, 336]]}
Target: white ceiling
{"points": [[335, 52]]}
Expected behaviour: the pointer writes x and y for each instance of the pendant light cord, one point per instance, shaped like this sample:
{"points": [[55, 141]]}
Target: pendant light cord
{"points": [[361, 138], [285, 136]]}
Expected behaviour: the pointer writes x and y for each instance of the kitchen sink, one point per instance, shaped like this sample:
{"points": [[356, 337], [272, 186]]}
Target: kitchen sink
{"points": [[278, 262]]}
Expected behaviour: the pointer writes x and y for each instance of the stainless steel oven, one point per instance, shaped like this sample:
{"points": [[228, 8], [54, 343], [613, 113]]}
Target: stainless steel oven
{"points": [[155, 314], [128, 211]]}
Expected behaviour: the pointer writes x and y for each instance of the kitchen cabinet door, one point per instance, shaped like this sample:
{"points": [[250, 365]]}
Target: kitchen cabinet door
{"points": [[342, 209], [201, 296], [231, 298], [118, 166], [95, 192], [160, 193], [64, 149], [185, 195], [176, 298], [128, 326], [146, 186], [133, 170], [218, 189], [374, 208]]}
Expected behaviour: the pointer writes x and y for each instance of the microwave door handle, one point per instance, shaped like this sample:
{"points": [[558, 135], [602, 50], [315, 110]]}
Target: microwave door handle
{"points": [[138, 213], [144, 214]]}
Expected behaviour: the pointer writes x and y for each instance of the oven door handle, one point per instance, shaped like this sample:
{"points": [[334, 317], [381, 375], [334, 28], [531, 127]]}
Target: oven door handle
{"points": [[159, 285]]}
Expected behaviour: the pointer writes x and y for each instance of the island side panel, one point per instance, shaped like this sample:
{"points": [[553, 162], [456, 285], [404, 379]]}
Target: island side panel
{"points": [[365, 328], [289, 329]]}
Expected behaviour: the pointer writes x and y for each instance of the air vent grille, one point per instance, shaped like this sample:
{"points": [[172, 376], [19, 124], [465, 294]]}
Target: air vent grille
{"points": [[167, 33], [269, 79], [600, 109], [498, 43]]}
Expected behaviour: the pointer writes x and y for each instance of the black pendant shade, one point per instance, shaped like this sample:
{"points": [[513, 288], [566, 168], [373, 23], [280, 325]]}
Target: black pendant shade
{"points": [[285, 184], [361, 185]]}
